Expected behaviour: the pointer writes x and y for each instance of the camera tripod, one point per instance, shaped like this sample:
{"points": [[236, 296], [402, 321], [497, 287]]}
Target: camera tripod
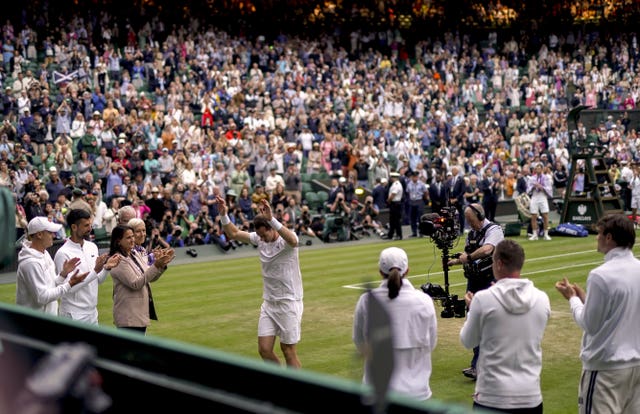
{"points": [[451, 305]]}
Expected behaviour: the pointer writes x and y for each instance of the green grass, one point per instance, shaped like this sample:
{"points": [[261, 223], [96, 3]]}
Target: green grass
{"points": [[216, 305]]}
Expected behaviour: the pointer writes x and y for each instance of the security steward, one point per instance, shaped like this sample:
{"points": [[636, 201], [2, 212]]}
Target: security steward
{"points": [[477, 259], [394, 200]]}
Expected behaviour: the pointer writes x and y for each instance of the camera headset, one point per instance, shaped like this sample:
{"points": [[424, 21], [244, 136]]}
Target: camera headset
{"points": [[479, 214]]}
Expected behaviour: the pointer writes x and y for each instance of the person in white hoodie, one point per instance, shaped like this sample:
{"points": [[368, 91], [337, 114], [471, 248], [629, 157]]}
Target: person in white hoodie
{"points": [[508, 321], [608, 314], [36, 286]]}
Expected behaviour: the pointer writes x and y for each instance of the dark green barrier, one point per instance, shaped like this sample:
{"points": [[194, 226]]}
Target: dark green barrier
{"points": [[149, 374]]}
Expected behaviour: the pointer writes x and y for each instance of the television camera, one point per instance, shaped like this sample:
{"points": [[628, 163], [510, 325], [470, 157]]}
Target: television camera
{"points": [[444, 230]]}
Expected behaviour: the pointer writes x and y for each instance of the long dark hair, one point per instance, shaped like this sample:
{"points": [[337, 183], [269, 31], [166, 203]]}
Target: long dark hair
{"points": [[394, 282], [116, 235]]}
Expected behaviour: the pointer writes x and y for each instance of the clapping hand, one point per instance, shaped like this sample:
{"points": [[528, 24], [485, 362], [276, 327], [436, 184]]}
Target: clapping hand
{"points": [[566, 288], [100, 261], [570, 290], [164, 257], [113, 261], [69, 266], [77, 277]]}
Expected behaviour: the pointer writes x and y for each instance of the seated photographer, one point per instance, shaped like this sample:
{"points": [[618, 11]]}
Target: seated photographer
{"points": [[303, 224], [175, 237], [182, 219], [477, 259], [199, 227], [166, 225], [216, 236], [155, 241], [336, 221], [369, 212]]}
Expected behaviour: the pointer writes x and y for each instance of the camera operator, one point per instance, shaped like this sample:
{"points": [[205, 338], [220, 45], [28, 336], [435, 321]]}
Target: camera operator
{"points": [[334, 222], [155, 241], [368, 214], [477, 259], [303, 224], [200, 227], [167, 223]]}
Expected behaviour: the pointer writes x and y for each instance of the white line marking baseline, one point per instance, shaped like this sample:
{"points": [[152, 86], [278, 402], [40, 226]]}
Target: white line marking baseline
{"points": [[364, 285]]}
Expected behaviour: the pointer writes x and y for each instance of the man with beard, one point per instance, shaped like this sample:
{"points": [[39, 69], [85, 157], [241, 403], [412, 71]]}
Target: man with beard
{"points": [[81, 301]]}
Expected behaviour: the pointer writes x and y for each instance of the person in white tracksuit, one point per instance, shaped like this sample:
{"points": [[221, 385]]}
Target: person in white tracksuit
{"points": [[36, 286]]}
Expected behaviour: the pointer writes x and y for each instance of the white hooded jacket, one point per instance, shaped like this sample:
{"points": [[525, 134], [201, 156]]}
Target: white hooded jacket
{"points": [[507, 321], [36, 281]]}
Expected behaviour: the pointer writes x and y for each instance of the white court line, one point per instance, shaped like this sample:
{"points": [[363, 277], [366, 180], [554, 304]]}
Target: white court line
{"points": [[364, 285]]}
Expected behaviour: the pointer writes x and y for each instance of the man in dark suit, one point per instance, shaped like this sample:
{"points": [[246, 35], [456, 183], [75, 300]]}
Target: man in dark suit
{"points": [[490, 186], [437, 194]]}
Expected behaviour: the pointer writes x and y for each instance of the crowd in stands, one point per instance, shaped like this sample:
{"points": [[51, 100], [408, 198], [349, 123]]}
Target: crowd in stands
{"points": [[179, 114]]}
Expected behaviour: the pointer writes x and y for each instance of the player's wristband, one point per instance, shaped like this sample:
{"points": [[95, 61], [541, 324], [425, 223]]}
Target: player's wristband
{"points": [[275, 224], [224, 220]]}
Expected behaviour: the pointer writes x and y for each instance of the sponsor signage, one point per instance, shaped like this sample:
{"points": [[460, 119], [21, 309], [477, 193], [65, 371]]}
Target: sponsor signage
{"points": [[582, 212]]}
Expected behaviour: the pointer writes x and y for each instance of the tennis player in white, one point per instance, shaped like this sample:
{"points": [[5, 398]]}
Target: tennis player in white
{"points": [[281, 310]]}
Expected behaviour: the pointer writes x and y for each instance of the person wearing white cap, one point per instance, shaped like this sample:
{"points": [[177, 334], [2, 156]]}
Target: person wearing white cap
{"points": [[413, 325], [37, 285], [97, 123]]}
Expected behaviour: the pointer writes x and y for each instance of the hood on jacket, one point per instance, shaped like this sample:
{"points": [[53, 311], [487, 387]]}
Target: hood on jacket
{"points": [[515, 295], [27, 253]]}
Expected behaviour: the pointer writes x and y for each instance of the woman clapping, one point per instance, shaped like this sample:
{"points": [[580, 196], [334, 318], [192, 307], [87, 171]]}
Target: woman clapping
{"points": [[133, 306]]}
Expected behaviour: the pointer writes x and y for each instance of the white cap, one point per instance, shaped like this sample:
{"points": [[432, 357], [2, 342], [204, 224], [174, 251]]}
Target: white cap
{"points": [[393, 257], [38, 224], [342, 180], [53, 169], [394, 174]]}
